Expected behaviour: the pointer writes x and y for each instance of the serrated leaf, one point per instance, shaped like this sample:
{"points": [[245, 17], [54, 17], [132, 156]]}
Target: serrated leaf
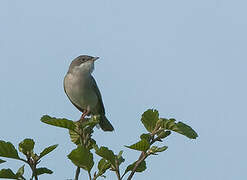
{"points": [[8, 150], [155, 149], [74, 137], [142, 145], [63, 123], [8, 174], [43, 170], [146, 136], [142, 167], [107, 154], [2, 161], [149, 119], [47, 150], [20, 171], [82, 157], [91, 144], [26, 146], [103, 165], [179, 128]]}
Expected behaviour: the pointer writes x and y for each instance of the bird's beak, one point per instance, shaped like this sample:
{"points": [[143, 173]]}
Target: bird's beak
{"points": [[95, 58]]}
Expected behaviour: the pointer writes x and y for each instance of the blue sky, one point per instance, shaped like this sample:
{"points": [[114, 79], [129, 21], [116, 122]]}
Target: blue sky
{"points": [[185, 58]]}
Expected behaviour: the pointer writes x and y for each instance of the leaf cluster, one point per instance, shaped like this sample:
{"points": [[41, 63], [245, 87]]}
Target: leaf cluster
{"points": [[26, 147], [83, 155]]}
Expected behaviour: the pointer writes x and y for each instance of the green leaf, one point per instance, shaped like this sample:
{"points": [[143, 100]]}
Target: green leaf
{"points": [[74, 137], [146, 136], [155, 149], [91, 144], [43, 170], [107, 154], [103, 165], [2, 161], [120, 158], [35, 156], [8, 174], [20, 171], [142, 145], [47, 150], [8, 150], [149, 119], [26, 146], [63, 123], [178, 127], [82, 157], [163, 134], [142, 167], [187, 130]]}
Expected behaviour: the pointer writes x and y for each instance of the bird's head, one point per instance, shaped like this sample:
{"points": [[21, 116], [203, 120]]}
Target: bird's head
{"points": [[82, 64]]}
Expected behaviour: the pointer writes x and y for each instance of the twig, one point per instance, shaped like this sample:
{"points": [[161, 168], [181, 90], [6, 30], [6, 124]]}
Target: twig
{"points": [[78, 170], [142, 157], [89, 175], [117, 172], [77, 173], [32, 165], [123, 175], [118, 175]]}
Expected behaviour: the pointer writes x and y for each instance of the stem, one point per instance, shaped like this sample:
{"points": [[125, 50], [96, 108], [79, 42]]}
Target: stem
{"points": [[141, 158], [90, 177], [32, 165], [123, 175], [118, 175], [34, 171], [78, 170], [77, 173], [117, 170]]}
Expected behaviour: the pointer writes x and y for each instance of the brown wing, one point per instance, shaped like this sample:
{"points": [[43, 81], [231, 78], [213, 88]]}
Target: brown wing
{"points": [[99, 109]]}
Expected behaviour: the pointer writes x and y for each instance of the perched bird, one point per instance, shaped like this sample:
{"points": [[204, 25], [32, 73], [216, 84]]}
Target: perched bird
{"points": [[82, 90]]}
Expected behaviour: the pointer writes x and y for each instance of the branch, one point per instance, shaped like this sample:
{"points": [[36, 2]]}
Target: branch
{"points": [[116, 169], [141, 158], [77, 173], [89, 175], [118, 175], [123, 175], [143, 155], [78, 168]]}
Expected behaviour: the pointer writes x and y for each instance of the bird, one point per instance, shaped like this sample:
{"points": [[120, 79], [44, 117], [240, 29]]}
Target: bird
{"points": [[83, 92]]}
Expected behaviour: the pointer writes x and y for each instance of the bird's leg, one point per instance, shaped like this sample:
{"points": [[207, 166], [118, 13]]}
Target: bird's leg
{"points": [[85, 112]]}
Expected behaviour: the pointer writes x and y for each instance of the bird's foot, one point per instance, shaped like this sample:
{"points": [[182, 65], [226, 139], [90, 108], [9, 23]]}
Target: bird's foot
{"points": [[84, 114]]}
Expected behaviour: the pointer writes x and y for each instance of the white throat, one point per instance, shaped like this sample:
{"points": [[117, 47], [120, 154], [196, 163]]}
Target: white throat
{"points": [[84, 68]]}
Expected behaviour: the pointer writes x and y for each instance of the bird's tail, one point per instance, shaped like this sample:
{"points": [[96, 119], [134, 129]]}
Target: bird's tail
{"points": [[105, 124]]}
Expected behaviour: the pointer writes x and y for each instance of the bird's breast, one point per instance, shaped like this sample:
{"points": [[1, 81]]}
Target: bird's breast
{"points": [[80, 91]]}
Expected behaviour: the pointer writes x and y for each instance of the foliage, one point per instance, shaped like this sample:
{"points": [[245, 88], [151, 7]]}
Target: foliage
{"points": [[82, 158], [80, 132], [26, 147]]}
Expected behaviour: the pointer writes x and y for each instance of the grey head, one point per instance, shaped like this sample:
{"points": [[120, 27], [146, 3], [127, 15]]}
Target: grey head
{"points": [[80, 60]]}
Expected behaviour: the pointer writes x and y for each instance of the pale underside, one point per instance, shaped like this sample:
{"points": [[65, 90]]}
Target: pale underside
{"points": [[80, 92]]}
